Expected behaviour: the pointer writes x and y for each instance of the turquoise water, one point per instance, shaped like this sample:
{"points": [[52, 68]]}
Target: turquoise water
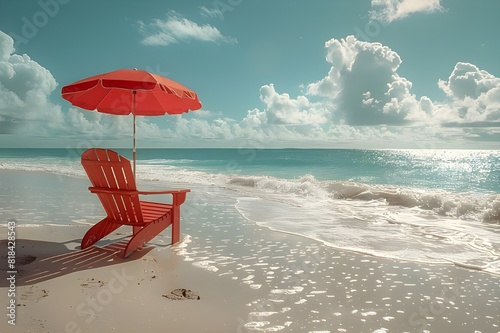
{"points": [[453, 170], [422, 205]]}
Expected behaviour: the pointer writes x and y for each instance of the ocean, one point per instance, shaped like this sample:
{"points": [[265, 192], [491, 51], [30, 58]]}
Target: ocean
{"points": [[437, 206]]}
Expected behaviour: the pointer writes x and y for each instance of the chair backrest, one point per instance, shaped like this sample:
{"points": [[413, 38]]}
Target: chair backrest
{"points": [[108, 170]]}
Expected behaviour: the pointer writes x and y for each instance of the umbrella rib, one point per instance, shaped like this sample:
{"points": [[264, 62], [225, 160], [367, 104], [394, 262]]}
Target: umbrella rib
{"points": [[158, 101], [102, 99], [108, 91]]}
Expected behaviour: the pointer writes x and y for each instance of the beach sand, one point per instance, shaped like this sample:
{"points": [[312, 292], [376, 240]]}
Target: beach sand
{"points": [[248, 278]]}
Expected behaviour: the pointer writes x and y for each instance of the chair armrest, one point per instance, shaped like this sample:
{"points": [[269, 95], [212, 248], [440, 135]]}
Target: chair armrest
{"points": [[112, 191], [164, 192], [178, 196]]}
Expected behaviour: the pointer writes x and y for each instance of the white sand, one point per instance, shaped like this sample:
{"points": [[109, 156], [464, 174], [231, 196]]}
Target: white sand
{"points": [[68, 290]]}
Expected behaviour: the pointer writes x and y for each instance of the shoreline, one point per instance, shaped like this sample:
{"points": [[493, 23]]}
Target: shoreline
{"points": [[156, 185], [249, 278]]}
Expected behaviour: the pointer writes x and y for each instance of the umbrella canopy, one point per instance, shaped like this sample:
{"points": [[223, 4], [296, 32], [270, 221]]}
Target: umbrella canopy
{"points": [[127, 91]]}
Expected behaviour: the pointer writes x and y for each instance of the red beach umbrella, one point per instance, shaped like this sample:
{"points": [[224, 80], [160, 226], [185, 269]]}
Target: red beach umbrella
{"points": [[127, 91]]}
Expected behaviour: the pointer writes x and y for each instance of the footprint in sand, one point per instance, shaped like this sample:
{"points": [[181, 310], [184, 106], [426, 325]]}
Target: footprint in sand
{"points": [[34, 294], [182, 294], [91, 285]]}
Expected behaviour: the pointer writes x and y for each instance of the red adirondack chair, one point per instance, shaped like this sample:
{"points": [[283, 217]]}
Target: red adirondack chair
{"points": [[113, 182]]}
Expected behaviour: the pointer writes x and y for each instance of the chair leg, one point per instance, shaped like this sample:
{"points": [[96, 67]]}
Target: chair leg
{"points": [[176, 224], [178, 200], [98, 231], [147, 233]]}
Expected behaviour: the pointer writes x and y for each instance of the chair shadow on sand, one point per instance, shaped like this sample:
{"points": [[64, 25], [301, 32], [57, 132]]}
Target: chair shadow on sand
{"points": [[33, 266]]}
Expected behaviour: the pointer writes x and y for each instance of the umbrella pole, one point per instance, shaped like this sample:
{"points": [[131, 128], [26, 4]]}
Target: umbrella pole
{"points": [[133, 151], [133, 112]]}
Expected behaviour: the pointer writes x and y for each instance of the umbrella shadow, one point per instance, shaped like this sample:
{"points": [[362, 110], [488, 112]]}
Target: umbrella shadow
{"points": [[33, 267]]}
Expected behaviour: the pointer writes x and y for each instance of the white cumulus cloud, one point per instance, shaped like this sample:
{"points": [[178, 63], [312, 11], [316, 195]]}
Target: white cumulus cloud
{"points": [[391, 10], [24, 90], [473, 97], [281, 109], [175, 29], [364, 84]]}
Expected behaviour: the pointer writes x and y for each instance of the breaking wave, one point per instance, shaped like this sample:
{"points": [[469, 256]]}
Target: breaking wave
{"points": [[468, 206]]}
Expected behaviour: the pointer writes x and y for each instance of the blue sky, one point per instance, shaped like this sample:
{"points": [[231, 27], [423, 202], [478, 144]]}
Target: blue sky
{"points": [[282, 73]]}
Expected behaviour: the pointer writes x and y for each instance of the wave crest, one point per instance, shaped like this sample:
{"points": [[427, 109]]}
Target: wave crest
{"points": [[468, 206]]}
